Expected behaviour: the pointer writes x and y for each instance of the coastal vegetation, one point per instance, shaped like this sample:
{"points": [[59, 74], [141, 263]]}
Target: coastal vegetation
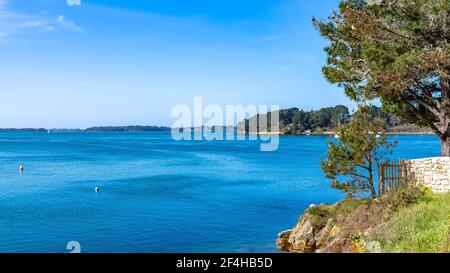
{"points": [[351, 159], [410, 220], [422, 227], [397, 51], [407, 218], [295, 121]]}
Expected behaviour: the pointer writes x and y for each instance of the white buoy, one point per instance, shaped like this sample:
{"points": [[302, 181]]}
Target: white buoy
{"points": [[97, 189], [21, 168]]}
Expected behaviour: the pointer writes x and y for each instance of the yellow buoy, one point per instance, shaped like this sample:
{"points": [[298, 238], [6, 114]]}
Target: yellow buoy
{"points": [[21, 168]]}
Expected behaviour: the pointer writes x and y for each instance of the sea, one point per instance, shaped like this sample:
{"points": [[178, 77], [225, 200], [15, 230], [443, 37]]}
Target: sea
{"points": [[156, 194]]}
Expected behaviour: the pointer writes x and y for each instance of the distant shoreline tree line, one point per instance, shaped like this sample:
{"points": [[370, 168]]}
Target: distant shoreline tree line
{"points": [[295, 121], [130, 128]]}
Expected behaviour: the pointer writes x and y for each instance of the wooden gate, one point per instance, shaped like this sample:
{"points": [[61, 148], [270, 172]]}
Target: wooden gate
{"points": [[391, 176]]}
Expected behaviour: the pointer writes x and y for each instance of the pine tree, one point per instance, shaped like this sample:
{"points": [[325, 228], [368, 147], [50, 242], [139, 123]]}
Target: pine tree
{"points": [[353, 157], [395, 50]]}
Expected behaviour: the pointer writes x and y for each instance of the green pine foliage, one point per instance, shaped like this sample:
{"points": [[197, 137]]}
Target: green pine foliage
{"points": [[397, 51], [352, 158]]}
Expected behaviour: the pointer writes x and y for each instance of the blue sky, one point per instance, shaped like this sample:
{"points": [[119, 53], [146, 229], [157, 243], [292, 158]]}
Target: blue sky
{"points": [[70, 63]]}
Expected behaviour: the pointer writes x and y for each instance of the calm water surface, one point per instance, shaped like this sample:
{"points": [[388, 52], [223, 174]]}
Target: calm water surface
{"points": [[158, 195]]}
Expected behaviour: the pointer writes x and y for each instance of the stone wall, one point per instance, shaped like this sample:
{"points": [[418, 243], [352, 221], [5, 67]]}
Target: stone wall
{"points": [[434, 173]]}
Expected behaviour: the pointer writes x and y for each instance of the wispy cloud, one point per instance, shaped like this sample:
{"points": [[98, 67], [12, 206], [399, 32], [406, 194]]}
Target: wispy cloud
{"points": [[12, 22], [36, 24], [142, 15], [272, 38], [73, 2], [252, 42], [32, 24], [70, 25]]}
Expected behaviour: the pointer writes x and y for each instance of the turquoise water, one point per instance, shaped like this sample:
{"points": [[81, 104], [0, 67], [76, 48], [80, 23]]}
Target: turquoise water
{"points": [[158, 195]]}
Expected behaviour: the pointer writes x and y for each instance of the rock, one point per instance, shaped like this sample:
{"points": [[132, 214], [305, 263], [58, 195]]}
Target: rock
{"points": [[324, 234], [282, 241], [302, 237], [305, 238], [285, 234], [336, 245]]}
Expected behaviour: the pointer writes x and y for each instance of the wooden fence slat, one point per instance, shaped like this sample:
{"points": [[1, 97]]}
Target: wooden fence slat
{"points": [[391, 175], [394, 176], [384, 178], [397, 182], [380, 180]]}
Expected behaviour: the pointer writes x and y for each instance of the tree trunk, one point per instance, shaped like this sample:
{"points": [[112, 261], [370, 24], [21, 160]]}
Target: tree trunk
{"points": [[445, 116], [445, 147]]}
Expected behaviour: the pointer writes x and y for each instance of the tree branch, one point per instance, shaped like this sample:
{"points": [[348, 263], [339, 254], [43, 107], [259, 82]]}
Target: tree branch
{"points": [[359, 175], [429, 105], [424, 118]]}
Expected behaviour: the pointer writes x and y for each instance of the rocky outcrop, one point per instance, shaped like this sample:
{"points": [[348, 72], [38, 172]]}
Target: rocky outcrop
{"points": [[300, 239], [305, 238], [345, 227]]}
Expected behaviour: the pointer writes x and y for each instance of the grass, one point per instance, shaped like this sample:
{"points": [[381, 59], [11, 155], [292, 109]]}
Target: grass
{"points": [[322, 213], [410, 220], [420, 228]]}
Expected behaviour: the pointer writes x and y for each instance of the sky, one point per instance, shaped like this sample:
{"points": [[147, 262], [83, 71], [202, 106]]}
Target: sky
{"points": [[82, 63]]}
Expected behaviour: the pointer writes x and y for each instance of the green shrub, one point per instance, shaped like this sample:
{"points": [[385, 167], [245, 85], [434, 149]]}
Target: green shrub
{"points": [[320, 215], [349, 205], [408, 194]]}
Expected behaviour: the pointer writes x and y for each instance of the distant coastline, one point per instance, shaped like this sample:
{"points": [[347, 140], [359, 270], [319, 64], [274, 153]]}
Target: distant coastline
{"points": [[130, 128], [332, 133], [325, 121], [137, 129], [293, 122]]}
